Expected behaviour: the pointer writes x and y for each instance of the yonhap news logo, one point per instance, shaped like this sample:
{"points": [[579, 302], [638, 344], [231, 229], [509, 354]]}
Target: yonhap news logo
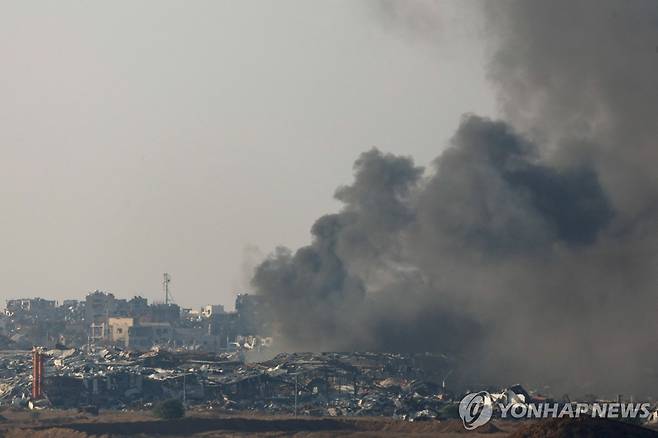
{"points": [[477, 408]]}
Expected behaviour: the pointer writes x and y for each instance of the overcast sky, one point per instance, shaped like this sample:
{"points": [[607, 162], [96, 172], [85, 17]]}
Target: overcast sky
{"points": [[142, 137]]}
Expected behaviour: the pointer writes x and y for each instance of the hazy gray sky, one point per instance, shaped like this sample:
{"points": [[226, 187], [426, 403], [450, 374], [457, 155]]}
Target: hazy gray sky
{"points": [[152, 136]]}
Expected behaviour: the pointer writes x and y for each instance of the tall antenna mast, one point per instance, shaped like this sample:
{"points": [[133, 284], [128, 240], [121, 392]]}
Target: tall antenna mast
{"points": [[165, 286]]}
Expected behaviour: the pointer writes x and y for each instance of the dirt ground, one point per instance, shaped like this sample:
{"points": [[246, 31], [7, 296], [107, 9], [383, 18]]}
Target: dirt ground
{"points": [[61, 424], [56, 424]]}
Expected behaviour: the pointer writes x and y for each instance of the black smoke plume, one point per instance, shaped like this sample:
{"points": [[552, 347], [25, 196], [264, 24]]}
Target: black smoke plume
{"points": [[529, 248]]}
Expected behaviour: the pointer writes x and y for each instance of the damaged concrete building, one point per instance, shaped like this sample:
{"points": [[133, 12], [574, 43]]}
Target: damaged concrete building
{"points": [[104, 320]]}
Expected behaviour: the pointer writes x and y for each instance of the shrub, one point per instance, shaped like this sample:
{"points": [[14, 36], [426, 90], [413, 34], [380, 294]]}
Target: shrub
{"points": [[449, 411], [169, 409]]}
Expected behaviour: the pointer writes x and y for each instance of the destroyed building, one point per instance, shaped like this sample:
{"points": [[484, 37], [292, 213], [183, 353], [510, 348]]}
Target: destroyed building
{"points": [[252, 315], [212, 309], [145, 335], [306, 383], [118, 329], [224, 326], [31, 307], [99, 306], [138, 306], [102, 319]]}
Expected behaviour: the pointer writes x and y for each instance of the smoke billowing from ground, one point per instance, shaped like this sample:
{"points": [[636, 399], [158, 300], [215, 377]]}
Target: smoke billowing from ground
{"points": [[529, 247]]}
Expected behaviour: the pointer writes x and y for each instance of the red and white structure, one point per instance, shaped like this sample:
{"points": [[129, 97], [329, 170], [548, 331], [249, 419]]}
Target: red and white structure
{"points": [[38, 373]]}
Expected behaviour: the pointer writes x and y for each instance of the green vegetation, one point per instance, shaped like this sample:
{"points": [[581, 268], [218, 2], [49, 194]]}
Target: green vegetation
{"points": [[169, 409]]}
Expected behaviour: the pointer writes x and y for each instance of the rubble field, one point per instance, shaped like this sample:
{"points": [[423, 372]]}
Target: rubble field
{"points": [[307, 384], [111, 392]]}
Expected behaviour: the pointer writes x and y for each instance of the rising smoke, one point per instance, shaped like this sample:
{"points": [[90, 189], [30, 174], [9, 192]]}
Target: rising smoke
{"points": [[528, 249]]}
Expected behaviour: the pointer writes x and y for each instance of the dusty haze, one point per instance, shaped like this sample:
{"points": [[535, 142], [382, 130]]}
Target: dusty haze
{"points": [[139, 138]]}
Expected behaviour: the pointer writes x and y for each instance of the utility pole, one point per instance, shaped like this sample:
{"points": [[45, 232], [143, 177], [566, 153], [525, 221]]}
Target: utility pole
{"points": [[296, 395], [165, 286], [443, 381], [184, 390]]}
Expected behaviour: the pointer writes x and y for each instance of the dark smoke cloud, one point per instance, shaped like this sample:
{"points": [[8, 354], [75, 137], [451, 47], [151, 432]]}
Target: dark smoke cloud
{"points": [[528, 249], [493, 195], [580, 76]]}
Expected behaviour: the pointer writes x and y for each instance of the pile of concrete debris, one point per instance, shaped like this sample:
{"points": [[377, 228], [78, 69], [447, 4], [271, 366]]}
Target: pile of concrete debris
{"points": [[380, 384]]}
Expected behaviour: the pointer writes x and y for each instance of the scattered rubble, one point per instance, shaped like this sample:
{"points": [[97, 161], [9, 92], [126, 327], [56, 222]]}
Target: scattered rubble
{"points": [[400, 386], [322, 384]]}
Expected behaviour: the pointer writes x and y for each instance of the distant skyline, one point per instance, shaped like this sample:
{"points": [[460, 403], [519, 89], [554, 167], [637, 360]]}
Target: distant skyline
{"points": [[171, 136], [160, 300]]}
